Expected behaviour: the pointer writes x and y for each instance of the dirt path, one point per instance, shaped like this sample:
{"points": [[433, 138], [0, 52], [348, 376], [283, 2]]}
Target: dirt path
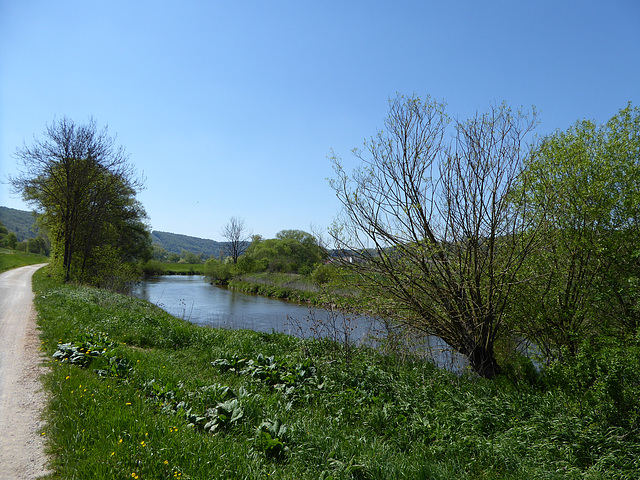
{"points": [[21, 399]]}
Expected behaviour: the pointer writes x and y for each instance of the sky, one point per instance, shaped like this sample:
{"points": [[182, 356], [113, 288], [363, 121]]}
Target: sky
{"points": [[233, 108]]}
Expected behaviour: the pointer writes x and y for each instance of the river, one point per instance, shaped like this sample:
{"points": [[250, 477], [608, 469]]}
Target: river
{"points": [[192, 298]]}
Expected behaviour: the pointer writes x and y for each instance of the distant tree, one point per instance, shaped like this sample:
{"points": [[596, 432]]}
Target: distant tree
{"points": [[237, 237], [4, 232], [37, 245], [190, 257], [11, 240], [292, 251], [160, 253], [83, 188], [432, 223]]}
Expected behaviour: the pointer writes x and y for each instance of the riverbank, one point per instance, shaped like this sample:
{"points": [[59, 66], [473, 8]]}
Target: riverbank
{"points": [[293, 287], [136, 393], [297, 288], [154, 267]]}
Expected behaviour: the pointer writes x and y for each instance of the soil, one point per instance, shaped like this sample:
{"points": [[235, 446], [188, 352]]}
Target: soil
{"points": [[22, 400]]}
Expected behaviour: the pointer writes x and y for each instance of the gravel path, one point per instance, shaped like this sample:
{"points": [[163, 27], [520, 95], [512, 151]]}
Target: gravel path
{"points": [[21, 398]]}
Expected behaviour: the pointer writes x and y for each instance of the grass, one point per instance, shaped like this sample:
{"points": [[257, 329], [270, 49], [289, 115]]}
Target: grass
{"points": [[289, 286], [13, 259], [136, 393], [155, 267]]}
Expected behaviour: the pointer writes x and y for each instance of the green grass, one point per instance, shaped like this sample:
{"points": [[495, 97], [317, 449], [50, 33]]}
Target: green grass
{"points": [[136, 393], [155, 267], [13, 259]]}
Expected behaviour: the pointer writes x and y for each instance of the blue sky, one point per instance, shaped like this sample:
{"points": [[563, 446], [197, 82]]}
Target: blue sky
{"points": [[232, 108]]}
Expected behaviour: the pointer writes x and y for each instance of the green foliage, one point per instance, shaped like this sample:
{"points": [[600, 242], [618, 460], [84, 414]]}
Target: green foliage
{"points": [[271, 440], [83, 189], [582, 185], [323, 274], [291, 251], [607, 379], [219, 272]]}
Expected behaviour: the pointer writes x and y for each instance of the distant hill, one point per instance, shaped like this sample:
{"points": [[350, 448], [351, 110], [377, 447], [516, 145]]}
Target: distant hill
{"points": [[18, 221], [175, 243], [23, 224]]}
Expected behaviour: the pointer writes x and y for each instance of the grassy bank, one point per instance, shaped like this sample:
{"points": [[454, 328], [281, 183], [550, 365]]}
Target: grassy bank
{"points": [[136, 393], [293, 287], [155, 267], [287, 286], [13, 259]]}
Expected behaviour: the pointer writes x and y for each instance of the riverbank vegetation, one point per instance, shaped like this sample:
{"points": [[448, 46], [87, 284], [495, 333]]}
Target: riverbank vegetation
{"points": [[155, 267], [136, 393], [474, 232], [293, 252]]}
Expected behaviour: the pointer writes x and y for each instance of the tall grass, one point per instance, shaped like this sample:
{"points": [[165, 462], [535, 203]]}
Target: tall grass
{"points": [[136, 393]]}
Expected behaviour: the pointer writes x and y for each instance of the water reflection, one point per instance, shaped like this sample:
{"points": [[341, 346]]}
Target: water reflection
{"points": [[193, 299]]}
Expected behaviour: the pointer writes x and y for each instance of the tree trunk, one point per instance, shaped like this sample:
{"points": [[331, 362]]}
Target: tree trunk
{"points": [[483, 362]]}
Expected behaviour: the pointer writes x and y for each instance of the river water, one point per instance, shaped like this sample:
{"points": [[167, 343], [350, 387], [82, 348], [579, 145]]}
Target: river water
{"points": [[192, 298]]}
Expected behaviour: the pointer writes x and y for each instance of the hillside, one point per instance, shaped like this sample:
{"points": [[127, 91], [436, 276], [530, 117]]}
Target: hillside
{"points": [[176, 242], [18, 221], [23, 224]]}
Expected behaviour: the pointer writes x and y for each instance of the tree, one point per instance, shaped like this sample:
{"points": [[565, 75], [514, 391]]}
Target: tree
{"points": [[432, 226], [236, 234], [81, 184], [586, 278], [292, 251]]}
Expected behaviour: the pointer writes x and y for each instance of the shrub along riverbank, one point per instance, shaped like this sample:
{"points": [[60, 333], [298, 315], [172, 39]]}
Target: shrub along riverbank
{"points": [[136, 393]]}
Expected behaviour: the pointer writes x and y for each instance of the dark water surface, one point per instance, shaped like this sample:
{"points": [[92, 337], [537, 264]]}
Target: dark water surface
{"points": [[192, 298]]}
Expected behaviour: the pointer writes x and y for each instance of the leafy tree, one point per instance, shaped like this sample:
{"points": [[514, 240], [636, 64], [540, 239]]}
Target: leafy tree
{"points": [[83, 187], [4, 232], [190, 257], [37, 245], [11, 240], [237, 237], [585, 280], [159, 253], [430, 224], [292, 251]]}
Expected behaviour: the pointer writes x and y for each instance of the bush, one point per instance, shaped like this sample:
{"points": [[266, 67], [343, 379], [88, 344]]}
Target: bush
{"points": [[152, 267], [606, 378], [218, 272], [323, 274]]}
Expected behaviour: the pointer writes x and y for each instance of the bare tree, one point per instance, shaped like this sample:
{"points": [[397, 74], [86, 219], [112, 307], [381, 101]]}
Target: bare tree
{"points": [[237, 237], [437, 234]]}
